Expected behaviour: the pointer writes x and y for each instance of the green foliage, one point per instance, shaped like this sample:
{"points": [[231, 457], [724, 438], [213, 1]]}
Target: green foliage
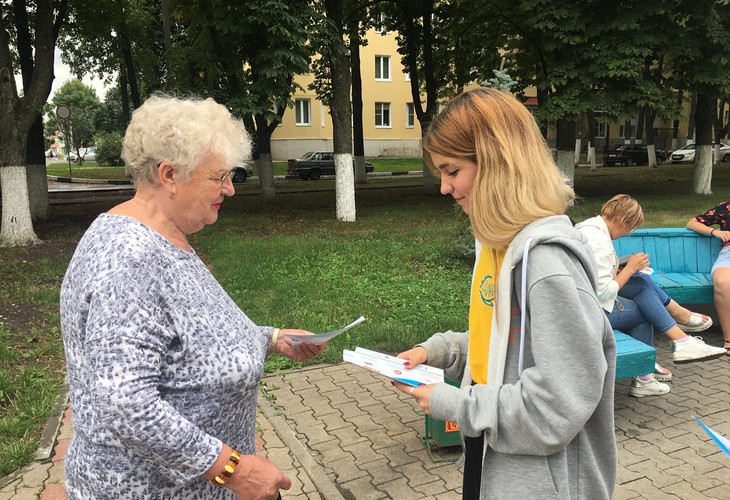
{"points": [[78, 129], [109, 148], [109, 117]]}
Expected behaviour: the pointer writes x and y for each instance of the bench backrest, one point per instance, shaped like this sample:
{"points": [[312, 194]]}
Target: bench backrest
{"points": [[672, 250]]}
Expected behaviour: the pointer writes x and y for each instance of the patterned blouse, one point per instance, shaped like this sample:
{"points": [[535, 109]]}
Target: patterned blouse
{"points": [[163, 367], [719, 215]]}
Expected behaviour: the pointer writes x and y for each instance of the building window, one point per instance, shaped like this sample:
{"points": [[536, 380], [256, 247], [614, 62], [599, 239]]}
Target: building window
{"points": [[303, 112], [410, 115], [382, 115], [600, 129], [380, 24], [382, 68]]}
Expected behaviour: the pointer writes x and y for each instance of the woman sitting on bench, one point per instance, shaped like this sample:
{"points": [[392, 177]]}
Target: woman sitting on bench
{"points": [[633, 303], [719, 215]]}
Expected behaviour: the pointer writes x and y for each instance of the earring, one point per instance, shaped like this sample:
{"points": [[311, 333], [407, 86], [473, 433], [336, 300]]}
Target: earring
{"points": [[171, 196]]}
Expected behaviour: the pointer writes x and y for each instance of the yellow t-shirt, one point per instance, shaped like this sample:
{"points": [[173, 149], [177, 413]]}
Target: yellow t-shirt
{"points": [[481, 309]]}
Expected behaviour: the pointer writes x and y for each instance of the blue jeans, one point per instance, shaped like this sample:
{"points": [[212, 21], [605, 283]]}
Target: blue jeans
{"points": [[640, 303], [626, 317]]}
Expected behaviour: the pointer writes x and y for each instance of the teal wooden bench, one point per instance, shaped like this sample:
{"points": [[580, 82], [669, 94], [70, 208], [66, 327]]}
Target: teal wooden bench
{"points": [[682, 261]]}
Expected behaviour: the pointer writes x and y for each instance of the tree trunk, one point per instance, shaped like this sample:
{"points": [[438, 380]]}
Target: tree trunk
{"points": [[358, 136], [35, 161], [692, 112], [17, 225], [264, 165], [167, 41], [341, 118], [704, 113], [649, 117], [592, 139], [564, 144], [265, 170]]}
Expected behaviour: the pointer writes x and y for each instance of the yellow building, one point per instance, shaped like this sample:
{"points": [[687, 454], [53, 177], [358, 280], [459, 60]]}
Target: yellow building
{"points": [[390, 126]]}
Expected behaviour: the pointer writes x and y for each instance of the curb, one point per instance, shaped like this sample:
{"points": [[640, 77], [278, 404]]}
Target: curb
{"points": [[48, 436], [76, 180]]}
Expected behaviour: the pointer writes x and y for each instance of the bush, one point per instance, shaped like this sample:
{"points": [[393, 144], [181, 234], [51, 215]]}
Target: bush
{"points": [[464, 241], [109, 148]]}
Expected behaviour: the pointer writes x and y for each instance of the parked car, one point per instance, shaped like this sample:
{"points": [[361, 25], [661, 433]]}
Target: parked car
{"points": [[241, 172], [687, 153], [314, 164], [630, 155]]}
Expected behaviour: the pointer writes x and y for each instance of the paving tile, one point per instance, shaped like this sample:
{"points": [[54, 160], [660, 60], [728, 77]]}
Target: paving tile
{"points": [[54, 492]]}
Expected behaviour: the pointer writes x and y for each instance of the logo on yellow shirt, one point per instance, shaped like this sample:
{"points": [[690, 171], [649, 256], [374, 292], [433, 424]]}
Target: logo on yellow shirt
{"points": [[486, 290]]}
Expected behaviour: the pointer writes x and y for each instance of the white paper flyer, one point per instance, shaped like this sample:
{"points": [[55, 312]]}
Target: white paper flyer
{"points": [[320, 338], [393, 367]]}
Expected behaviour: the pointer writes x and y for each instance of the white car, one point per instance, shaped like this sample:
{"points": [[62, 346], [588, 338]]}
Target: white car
{"points": [[687, 153]]}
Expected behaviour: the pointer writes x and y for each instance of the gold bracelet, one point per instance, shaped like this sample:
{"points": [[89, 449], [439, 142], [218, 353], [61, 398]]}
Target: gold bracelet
{"points": [[228, 469], [272, 343]]}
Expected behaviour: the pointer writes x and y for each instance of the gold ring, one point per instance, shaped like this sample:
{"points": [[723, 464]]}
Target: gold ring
{"points": [[412, 388]]}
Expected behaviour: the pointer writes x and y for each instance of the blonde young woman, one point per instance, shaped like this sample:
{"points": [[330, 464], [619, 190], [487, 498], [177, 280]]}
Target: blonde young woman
{"points": [[535, 406]]}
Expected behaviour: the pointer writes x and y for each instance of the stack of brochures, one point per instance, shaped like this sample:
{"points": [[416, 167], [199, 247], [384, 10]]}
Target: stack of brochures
{"points": [[393, 367]]}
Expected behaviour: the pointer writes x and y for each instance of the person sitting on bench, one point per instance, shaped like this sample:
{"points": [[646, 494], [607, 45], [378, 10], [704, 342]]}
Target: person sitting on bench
{"points": [[631, 298], [719, 215]]}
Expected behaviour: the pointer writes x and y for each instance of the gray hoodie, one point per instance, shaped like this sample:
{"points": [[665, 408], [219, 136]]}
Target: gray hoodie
{"points": [[547, 408]]}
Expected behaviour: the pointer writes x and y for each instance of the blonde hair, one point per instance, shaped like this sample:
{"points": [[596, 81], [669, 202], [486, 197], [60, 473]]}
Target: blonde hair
{"points": [[183, 131], [625, 210], [517, 180]]}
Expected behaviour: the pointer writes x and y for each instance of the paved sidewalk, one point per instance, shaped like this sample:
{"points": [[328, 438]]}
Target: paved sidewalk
{"points": [[341, 432]]}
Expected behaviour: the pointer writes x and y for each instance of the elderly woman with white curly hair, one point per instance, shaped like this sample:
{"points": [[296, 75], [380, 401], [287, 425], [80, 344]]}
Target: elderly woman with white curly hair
{"points": [[163, 366]]}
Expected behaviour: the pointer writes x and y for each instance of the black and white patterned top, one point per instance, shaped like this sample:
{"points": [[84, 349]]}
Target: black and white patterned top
{"points": [[163, 367]]}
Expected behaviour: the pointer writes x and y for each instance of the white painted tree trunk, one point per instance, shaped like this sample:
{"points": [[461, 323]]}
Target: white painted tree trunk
{"points": [[716, 153], [265, 170], [592, 156], [674, 144], [17, 226], [344, 187], [702, 183], [565, 161], [577, 151], [651, 152]]}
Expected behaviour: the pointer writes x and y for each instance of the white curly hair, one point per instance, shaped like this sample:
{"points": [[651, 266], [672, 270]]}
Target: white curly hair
{"points": [[183, 131]]}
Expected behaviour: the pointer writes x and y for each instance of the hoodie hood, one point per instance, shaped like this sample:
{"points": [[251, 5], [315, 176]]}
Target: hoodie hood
{"points": [[554, 230]]}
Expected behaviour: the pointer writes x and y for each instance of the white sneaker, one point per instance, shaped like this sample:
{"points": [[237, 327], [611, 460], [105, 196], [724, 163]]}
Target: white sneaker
{"points": [[640, 388], [694, 349]]}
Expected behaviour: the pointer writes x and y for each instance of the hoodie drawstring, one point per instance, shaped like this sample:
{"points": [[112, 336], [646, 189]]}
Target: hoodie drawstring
{"points": [[523, 302]]}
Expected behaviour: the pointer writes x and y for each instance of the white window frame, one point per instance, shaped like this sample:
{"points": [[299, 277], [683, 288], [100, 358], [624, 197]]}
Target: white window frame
{"points": [[380, 24], [382, 64], [601, 128], [410, 115], [382, 112], [303, 106]]}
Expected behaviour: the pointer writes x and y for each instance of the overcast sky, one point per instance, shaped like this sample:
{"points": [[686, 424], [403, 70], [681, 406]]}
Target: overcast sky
{"points": [[63, 74]]}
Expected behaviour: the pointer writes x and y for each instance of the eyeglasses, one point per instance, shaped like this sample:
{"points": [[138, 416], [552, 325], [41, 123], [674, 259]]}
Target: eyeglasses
{"points": [[216, 177]]}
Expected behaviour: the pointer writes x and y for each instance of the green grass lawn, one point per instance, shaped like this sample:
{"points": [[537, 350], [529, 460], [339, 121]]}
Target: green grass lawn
{"points": [[289, 263]]}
